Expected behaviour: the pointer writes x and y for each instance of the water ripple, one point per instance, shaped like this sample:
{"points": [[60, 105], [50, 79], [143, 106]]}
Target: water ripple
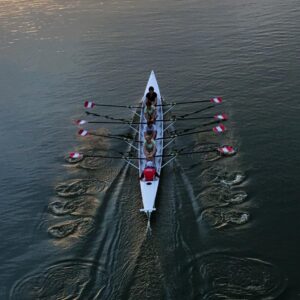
{"points": [[231, 277], [78, 187], [63, 280], [220, 217]]}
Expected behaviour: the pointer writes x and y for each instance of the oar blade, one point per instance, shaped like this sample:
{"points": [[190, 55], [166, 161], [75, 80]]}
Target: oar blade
{"points": [[216, 100], [80, 122], [83, 132], [220, 128], [75, 155], [89, 104], [221, 117], [226, 150]]}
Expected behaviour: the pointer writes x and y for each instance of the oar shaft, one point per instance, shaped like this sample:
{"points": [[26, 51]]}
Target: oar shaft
{"points": [[195, 112], [198, 131], [183, 134], [115, 105], [190, 102]]}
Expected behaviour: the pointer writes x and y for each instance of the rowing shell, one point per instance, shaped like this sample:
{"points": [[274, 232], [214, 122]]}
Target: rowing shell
{"points": [[149, 188]]}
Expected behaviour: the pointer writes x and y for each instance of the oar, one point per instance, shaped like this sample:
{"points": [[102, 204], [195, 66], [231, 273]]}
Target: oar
{"points": [[195, 112], [218, 129], [82, 155], [223, 150], [220, 117], [83, 132], [217, 118], [107, 117], [190, 129], [215, 100], [82, 122], [91, 104]]}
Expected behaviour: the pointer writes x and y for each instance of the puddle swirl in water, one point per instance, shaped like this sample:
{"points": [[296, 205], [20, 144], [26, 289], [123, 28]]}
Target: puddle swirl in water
{"points": [[75, 228], [86, 205], [234, 179], [229, 277], [64, 280], [73, 160], [220, 217], [63, 229], [221, 196], [217, 175], [236, 197], [94, 163], [78, 187]]}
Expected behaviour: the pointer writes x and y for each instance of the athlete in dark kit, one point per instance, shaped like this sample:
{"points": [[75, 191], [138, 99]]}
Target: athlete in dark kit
{"points": [[152, 96]]}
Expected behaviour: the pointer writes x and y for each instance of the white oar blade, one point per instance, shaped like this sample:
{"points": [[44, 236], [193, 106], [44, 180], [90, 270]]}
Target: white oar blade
{"points": [[226, 150], [216, 100], [83, 132], [75, 155], [89, 104], [220, 128], [221, 117], [81, 122]]}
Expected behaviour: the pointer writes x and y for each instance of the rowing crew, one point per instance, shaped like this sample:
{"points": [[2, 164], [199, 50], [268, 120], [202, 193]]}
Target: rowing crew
{"points": [[149, 152], [150, 108], [150, 133]]}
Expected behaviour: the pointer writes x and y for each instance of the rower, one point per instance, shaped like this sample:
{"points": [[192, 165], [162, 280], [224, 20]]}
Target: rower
{"points": [[150, 130], [150, 111], [149, 148], [149, 172], [151, 96]]}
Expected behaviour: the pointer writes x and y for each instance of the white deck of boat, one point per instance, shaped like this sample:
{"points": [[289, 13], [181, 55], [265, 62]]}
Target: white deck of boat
{"points": [[149, 189]]}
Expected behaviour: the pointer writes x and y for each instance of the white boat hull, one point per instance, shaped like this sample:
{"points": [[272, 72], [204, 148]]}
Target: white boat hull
{"points": [[149, 188]]}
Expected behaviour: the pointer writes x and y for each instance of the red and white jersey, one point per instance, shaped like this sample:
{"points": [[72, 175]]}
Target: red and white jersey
{"points": [[149, 173]]}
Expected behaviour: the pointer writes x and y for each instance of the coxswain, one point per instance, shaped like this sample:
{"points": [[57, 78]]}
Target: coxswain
{"points": [[150, 111], [152, 96], [149, 172], [150, 130], [149, 148]]}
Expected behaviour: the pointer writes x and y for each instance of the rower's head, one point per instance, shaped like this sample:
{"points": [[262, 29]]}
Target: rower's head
{"points": [[150, 123], [151, 89], [149, 164], [148, 138]]}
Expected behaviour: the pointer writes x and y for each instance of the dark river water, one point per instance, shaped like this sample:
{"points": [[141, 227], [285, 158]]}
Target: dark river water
{"points": [[224, 228]]}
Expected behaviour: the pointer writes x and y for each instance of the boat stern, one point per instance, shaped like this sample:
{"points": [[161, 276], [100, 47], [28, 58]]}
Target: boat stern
{"points": [[149, 190]]}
